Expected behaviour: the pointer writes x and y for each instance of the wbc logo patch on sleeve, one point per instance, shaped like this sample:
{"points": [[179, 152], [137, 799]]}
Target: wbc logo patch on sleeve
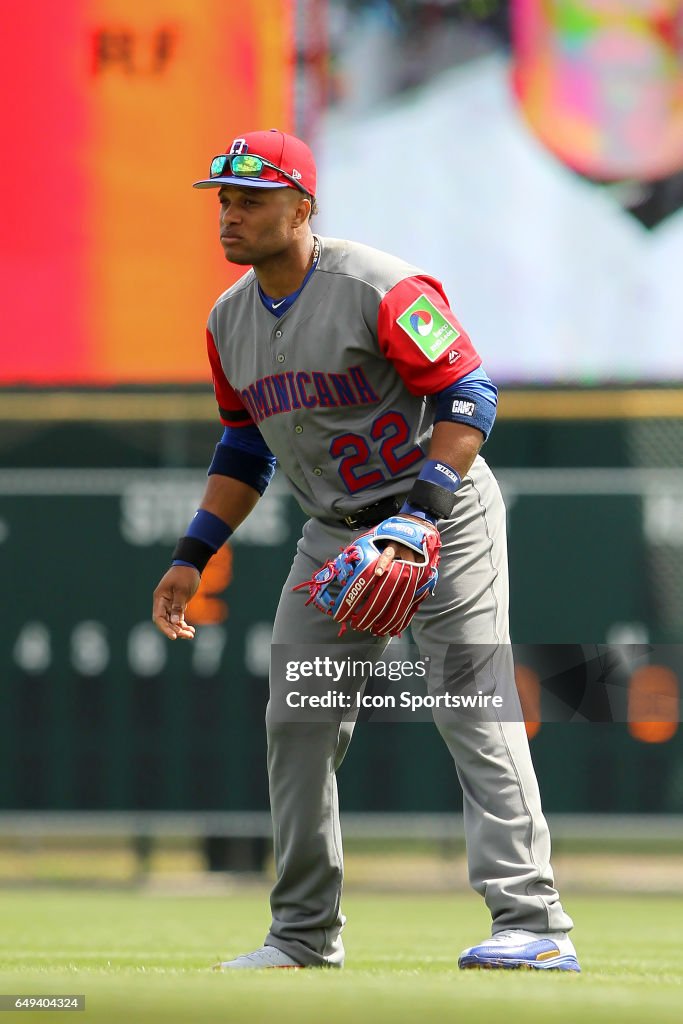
{"points": [[428, 328]]}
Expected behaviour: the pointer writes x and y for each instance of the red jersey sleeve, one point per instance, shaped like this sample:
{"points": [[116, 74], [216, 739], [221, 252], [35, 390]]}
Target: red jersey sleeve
{"points": [[419, 334], [230, 406]]}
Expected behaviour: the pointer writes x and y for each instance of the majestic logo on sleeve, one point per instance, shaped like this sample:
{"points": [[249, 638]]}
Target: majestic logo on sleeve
{"points": [[428, 328]]}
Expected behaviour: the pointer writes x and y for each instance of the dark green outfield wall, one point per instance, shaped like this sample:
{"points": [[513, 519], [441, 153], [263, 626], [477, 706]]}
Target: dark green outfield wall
{"points": [[100, 712]]}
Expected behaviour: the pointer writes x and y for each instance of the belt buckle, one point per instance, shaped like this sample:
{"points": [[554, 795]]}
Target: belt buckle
{"points": [[351, 521]]}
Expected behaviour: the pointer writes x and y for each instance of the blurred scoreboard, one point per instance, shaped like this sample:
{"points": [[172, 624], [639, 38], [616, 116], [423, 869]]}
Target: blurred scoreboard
{"points": [[110, 109]]}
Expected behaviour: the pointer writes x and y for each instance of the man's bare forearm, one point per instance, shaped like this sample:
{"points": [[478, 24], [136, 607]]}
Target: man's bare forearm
{"points": [[455, 444], [229, 499]]}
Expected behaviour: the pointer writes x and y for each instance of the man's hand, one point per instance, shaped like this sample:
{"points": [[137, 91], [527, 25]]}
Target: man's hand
{"points": [[171, 598], [399, 551]]}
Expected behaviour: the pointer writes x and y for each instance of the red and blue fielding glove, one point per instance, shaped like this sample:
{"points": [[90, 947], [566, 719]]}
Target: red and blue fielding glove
{"points": [[347, 588]]}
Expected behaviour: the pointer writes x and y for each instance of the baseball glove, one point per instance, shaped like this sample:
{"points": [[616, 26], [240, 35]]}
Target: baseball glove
{"points": [[347, 589]]}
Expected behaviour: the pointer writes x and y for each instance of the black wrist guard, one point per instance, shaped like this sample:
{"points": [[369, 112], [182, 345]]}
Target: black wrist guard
{"points": [[432, 498], [194, 551]]}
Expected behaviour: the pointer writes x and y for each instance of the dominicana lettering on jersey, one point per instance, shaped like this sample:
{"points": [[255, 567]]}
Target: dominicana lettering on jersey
{"points": [[284, 392]]}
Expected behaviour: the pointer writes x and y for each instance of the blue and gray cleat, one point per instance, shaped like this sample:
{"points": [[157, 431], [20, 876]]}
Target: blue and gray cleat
{"points": [[515, 948]]}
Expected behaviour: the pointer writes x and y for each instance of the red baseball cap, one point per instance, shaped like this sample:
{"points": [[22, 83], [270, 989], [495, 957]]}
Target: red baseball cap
{"points": [[287, 152]]}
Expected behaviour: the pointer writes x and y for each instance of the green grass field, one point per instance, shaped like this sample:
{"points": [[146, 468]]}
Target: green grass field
{"points": [[145, 957]]}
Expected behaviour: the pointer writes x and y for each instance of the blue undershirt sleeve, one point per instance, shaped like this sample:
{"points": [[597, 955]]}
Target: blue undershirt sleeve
{"points": [[243, 454], [471, 400]]}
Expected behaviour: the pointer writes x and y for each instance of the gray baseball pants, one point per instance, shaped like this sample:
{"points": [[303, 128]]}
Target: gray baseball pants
{"points": [[508, 844]]}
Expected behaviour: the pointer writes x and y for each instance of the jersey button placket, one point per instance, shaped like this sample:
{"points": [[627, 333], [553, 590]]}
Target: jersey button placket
{"points": [[298, 429], [276, 336]]}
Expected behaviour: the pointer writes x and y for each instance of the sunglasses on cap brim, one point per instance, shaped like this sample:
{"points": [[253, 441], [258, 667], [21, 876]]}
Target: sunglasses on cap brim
{"points": [[246, 165]]}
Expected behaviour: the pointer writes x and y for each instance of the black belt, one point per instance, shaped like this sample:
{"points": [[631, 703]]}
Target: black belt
{"points": [[371, 515]]}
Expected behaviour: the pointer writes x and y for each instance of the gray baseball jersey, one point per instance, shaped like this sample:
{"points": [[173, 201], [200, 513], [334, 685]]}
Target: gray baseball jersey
{"points": [[340, 389], [339, 386]]}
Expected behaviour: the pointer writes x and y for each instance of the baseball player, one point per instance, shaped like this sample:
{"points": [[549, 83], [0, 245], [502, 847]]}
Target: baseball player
{"points": [[348, 366]]}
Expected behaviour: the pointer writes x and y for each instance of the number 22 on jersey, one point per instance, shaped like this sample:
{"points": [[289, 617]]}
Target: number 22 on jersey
{"points": [[392, 431]]}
